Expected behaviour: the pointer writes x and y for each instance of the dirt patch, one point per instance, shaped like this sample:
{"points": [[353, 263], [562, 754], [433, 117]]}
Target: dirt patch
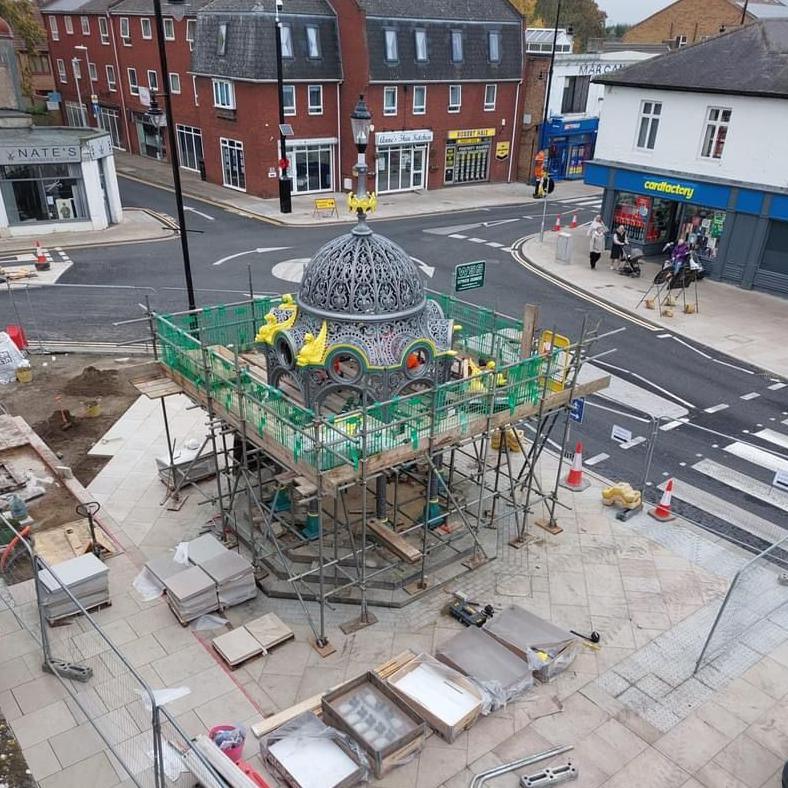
{"points": [[72, 383]]}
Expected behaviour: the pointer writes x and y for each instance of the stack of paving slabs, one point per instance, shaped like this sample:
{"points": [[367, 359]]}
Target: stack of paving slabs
{"points": [[85, 577], [164, 567], [203, 548], [548, 647], [478, 655], [234, 578], [237, 646], [191, 594]]}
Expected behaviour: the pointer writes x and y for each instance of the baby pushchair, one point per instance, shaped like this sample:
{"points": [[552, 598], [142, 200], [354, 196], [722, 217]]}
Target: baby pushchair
{"points": [[630, 260]]}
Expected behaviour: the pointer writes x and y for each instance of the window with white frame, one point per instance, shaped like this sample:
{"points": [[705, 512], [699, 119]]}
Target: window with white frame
{"points": [[455, 98], [175, 83], [125, 30], [84, 22], [108, 119], [221, 39], [315, 99], [392, 51], [494, 46], [92, 72], [650, 113], [289, 99], [456, 46], [103, 30], [189, 146], [717, 121], [169, 28], [153, 80], [191, 26], [69, 25], [286, 39], [53, 28], [681, 41], [61, 70], [145, 27], [76, 68], [233, 165], [75, 114], [134, 87], [419, 99], [312, 42], [223, 94], [490, 96], [420, 40], [390, 100], [194, 91], [112, 81]]}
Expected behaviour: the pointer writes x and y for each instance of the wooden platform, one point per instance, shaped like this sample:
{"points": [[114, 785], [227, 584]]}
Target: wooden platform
{"points": [[393, 541]]}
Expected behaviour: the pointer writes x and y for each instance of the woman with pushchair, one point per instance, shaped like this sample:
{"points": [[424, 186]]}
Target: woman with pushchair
{"points": [[619, 241]]}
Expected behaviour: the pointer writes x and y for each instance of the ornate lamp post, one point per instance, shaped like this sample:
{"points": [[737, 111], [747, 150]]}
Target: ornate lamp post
{"points": [[285, 184], [362, 201], [159, 120]]}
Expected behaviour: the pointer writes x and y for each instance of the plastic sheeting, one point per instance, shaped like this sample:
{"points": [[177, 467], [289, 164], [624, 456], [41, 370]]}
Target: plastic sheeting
{"points": [[10, 359]]}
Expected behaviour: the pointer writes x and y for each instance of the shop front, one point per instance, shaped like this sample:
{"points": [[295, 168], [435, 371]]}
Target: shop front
{"points": [[312, 164], [737, 230], [468, 154], [150, 138], [401, 160], [57, 179], [569, 145]]}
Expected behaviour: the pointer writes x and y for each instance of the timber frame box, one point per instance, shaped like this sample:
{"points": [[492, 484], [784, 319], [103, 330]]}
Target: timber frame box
{"points": [[386, 758]]}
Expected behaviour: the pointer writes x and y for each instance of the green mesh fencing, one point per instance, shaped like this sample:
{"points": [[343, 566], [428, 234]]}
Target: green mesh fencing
{"points": [[185, 346]]}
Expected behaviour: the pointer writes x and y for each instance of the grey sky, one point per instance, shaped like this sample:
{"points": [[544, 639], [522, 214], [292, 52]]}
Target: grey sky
{"points": [[627, 11]]}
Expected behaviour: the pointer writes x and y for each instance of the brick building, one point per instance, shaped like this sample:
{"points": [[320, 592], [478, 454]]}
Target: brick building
{"points": [[446, 97], [690, 21]]}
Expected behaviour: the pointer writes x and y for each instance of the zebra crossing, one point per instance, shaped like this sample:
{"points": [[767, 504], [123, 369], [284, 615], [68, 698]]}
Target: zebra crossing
{"points": [[582, 202]]}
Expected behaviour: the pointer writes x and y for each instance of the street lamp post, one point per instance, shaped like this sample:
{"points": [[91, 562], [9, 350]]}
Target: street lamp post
{"points": [[542, 139], [75, 68], [360, 124], [285, 201], [158, 119], [172, 141], [86, 117]]}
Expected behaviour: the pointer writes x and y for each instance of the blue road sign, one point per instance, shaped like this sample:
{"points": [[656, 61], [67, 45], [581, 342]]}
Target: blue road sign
{"points": [[577, 409]]}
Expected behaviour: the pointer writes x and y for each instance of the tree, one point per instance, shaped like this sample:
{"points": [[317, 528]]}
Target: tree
{"points": [[616, 31], [21, 18], [585, 18]]}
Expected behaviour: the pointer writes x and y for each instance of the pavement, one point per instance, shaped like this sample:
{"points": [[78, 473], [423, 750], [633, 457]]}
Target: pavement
{"points": [[747, 325], [633, 710], [390, 206]]}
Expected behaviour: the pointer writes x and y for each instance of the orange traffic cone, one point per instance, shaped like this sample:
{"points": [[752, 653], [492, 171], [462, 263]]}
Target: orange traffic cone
{"points": [[574, 479], [574, 222], [557, 225], [42, 263], [662, 511]]}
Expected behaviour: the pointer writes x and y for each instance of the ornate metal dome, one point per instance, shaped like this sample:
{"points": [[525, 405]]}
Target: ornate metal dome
{"points": [[362, 276]]}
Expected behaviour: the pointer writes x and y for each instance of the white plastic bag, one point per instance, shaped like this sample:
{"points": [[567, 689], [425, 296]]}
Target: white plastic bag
{"points": [[147, 586]]}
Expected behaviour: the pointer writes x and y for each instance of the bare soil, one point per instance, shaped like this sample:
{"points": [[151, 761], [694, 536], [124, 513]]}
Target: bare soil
{"points": [[63, 387]]}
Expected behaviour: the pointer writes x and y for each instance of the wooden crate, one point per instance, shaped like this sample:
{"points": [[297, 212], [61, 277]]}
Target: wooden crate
{"points": [[384, 758], [446, 729]]}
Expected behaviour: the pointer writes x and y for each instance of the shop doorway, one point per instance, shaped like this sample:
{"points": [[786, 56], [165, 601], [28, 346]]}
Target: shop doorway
{"points": [[400, 168], [311, 167], [467, 163]]}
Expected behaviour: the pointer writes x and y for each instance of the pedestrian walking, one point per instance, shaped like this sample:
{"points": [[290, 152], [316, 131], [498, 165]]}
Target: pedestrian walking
{"points": [[597, 245], [620, 240], [596, 223]]}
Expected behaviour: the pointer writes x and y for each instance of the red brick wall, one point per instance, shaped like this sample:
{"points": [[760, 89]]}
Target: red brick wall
{"points": [[536, 69], [691, 18]]}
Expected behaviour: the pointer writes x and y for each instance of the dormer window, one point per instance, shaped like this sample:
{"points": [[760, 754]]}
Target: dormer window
{"points": [[392, 53], [286, 37], [421, 46], [456, 46], [494, 45], [221, 40], [312, 42]]}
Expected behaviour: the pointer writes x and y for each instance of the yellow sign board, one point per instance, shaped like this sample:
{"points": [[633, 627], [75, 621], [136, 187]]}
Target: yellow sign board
{"points": [[461, 134], [556, 364], [502, 150], [325, 204]]}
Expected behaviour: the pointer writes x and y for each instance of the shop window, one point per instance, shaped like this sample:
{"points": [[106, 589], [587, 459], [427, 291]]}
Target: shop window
{"points": [[390, 100], [650, 112], [223, 94], [455, 98], [53, 28], [145, 27], [191, 26], [61, 70], [311, 167], [494, 46], [775, 255], [312, 42], [112, 82], [456, 46], [633, 211], [125, 31], [392, 53], [103, 30], [221, 39], [85, 23], [490, 96], [43, 193], [289, 99], [575, 95], [169, 29], [421, 46], [419, 99], [286, 40], [717, 121], [702, 228], [175, 83], [315, 99], [189, 146], [134, 87], [69, 25], [233, 165]]}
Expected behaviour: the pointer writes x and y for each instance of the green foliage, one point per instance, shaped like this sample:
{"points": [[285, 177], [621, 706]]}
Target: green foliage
{"points": [[23, 21], [585, 18], [616, 31]]}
